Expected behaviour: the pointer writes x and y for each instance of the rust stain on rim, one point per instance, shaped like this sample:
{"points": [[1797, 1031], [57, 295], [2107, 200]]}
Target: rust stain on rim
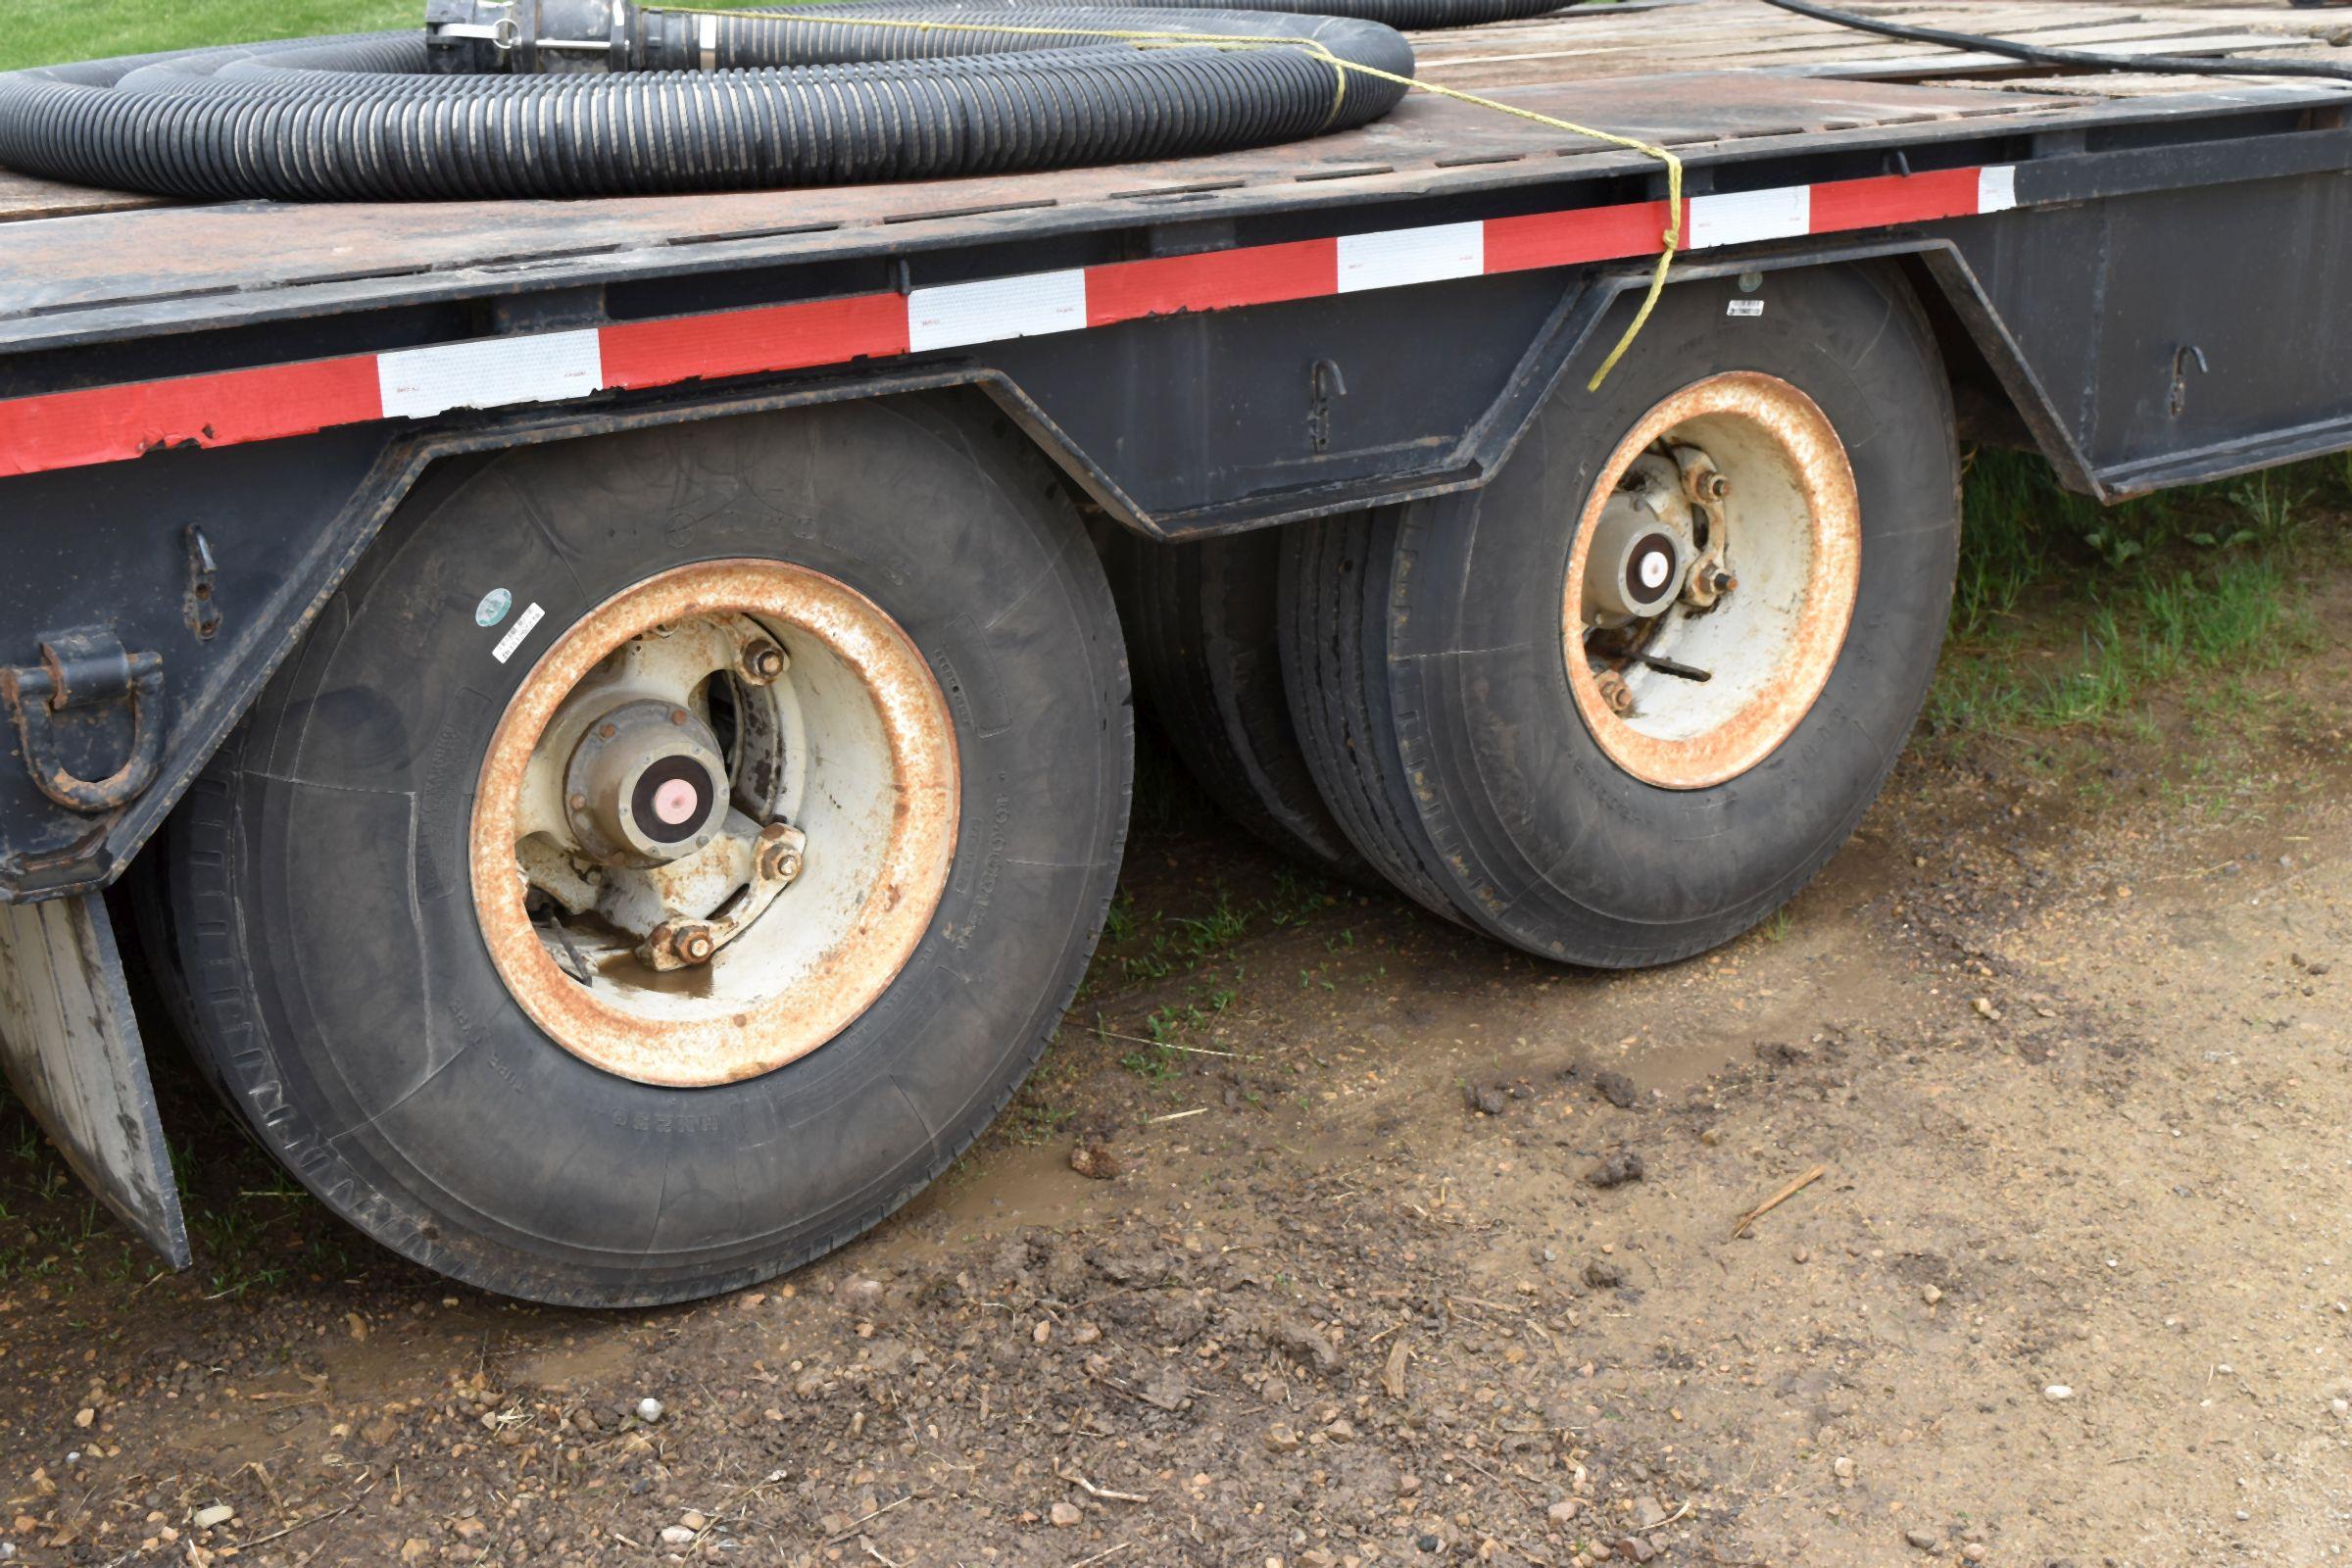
{"points": [[1808, 447], [729, 1040]]}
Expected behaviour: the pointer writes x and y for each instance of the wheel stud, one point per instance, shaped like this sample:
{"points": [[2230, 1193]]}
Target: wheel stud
{"points": [[760, 662], [1615, 692]]}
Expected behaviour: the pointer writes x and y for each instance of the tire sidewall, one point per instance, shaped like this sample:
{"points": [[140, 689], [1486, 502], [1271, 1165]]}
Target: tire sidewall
{"points": [[434, 1112], [1549, 844]]}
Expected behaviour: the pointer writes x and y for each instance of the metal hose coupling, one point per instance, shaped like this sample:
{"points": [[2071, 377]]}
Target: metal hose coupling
{"points": [[551, 37]]}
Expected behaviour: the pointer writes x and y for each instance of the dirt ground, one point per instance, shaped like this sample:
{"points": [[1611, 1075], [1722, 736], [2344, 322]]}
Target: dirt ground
{"points": [[1359, 1277]]}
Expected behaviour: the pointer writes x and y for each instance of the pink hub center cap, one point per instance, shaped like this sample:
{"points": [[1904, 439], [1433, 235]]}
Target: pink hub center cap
{"points": [[676, 802]]}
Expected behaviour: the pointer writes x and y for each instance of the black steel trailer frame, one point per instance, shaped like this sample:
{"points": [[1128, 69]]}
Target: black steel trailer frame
{"points": [[2147, 290]]}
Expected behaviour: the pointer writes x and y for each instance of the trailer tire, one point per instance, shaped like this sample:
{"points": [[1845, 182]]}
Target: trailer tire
{"points": [[328, 888], [1443, 719], [1200, 628]]}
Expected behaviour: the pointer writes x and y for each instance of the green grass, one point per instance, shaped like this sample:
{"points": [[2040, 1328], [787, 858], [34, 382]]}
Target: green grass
{"points": [[2066, 616], [40, 32]]}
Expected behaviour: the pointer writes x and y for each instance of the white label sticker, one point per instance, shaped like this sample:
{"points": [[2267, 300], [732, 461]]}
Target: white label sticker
{"points": [[489, 374], [1744, 308], [1996, 187], [1748, 215], [516, 633], [952, 315], [1399, 256]]}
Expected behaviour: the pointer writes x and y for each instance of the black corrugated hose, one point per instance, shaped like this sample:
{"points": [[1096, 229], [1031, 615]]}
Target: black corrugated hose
{"points": [[664, 101]]}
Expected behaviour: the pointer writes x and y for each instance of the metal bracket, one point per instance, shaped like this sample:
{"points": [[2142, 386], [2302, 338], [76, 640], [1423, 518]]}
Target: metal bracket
{"points": [[84, 669]]}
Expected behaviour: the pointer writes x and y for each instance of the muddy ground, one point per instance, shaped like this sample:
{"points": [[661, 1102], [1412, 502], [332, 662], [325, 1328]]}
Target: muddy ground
{"points": [[2063, 1034]]}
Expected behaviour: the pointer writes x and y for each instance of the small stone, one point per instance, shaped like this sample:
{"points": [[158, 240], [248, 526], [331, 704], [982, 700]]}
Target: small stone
{"points": [[693, 1520], [676, 1535], [219, 1514], [1649, 1513], [1973, 1552], [1488, 1101], [1930, 1294], [1094, 1163], [1842, 1467], [2057, 1391], [1636, 1549], [1615, 1172], [649, 1409], [1618, 1089], [84, 1416], [1564, 1511], [1280, 1439], [1924, 1539], [1065, 1514], [1603, 1275], [1406, 1486], [1043, 1332]]}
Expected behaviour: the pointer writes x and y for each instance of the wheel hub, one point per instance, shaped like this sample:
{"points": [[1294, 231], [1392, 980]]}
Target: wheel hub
{"points": [[647, 785]]}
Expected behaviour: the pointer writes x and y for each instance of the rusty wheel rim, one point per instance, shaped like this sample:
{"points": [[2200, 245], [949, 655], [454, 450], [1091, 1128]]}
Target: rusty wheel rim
{"points": [[1702, 615], [748, 770]]}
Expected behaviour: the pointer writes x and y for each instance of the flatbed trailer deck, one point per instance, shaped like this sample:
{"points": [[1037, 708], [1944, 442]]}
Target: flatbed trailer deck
{"points": [[209, 414]]}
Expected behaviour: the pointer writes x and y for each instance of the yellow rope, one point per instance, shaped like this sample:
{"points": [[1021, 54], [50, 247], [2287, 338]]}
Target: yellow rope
{"points": [[1669, 242]]}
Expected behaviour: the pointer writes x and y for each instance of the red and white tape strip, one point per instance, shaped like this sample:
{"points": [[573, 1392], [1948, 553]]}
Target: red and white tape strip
{"points": [[233, 407]]}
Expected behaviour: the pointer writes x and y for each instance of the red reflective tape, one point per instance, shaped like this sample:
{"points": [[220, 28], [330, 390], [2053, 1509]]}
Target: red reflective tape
{"points": [[1589, 234], [1214, 280], [1847, 204], [780, 337], [108, 424]]}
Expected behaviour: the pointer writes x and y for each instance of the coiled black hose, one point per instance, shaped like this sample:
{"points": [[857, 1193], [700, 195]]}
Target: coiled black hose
{"points": [[780, 100]]}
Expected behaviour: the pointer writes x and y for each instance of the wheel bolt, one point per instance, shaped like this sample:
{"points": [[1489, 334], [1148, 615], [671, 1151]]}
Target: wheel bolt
{"points": [[677, 716], [1714, 487], [576, 801], [696, 947], [1615, 692], [1725, 582], [608, 731], [760, 662]]}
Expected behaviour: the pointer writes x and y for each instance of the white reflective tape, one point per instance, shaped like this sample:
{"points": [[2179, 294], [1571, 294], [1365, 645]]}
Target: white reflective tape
{"points": [[1397, 255], [1749, 215], [955, 314], [1996, 187], [710, 40], [516, 633], [417, 383]]}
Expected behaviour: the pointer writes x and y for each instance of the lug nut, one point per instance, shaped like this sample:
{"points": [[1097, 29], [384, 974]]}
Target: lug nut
{"points": [[1615, 692], [1714, 487], [576, 801], [760, 662], [1725, 582]]}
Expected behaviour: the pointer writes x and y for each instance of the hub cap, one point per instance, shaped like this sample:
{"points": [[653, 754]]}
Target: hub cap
{"points": [[1712, 580], [714, 823]]}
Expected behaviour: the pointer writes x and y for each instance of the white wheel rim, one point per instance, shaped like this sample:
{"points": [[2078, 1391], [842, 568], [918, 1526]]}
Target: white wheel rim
{"points": [[862, 761], [1770, 643]]}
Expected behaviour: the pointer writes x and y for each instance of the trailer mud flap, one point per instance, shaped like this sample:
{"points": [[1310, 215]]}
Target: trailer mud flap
{"points": [[72, 1050]]}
